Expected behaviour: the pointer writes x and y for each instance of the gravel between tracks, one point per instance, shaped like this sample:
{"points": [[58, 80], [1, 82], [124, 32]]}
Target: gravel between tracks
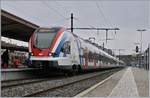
{"points": [[44, 85], [12, 83], [74, 89], [20, 82]]}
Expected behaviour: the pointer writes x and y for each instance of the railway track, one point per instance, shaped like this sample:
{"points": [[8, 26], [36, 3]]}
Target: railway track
{"points": [[69, 84], [26, 81], [44, 87], [8, 84]]}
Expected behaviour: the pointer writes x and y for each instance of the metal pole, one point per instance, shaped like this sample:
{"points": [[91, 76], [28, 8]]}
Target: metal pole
{"points": [[141, 41], [72, 22], [141, 51], [103, 46], [106, 35], [141, 30], [119, 54]]}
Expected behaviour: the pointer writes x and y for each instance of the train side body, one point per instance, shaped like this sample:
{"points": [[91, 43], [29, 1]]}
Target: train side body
{"points": [[59, 48]]}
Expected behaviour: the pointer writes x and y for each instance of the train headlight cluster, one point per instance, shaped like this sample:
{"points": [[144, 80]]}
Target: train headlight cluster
{"points": [[50, 54], [30, 54]]}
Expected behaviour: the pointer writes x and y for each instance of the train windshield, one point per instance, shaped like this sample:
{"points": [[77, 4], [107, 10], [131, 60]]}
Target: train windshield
{"points": [[44, 37]]}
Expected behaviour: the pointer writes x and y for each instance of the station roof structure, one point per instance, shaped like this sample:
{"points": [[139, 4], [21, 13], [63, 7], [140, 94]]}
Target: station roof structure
{"points": [[15, 27], [5, 45]]}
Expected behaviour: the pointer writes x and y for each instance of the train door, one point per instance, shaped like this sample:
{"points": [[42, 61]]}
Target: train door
{"points": [[74, 52]]}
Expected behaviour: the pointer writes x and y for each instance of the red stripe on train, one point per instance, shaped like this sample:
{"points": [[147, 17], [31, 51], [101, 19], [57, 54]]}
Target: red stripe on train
{"points": [[56, 38]]}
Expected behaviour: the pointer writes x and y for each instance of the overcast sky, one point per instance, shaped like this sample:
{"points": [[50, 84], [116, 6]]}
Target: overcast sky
{"points": [[127, 15]]}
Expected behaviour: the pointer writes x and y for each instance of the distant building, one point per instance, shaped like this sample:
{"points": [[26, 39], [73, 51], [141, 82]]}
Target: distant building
{"points": [[138, 60], [130, 60]]}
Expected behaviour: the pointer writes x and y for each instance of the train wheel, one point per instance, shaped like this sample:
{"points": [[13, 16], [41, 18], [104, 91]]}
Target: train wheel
{"points": [[79, 69], [74, 69]]}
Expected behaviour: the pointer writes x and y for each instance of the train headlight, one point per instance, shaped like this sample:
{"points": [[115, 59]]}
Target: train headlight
{"points": [[30, 54], [50, 54]]}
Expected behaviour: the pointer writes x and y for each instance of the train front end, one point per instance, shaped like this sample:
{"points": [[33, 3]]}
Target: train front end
{"points": [[44, 46]]}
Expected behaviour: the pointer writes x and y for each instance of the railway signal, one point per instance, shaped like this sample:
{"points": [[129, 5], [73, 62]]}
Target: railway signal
{"points": [[137, 49]]}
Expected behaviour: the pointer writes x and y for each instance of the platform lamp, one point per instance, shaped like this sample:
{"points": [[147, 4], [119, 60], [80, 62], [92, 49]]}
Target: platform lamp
{"points": [[141, 31]]}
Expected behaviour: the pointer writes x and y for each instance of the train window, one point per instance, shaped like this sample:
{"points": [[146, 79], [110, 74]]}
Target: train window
{"points": [[102, 58], [90, 56], [97, 59], [44, 37]]}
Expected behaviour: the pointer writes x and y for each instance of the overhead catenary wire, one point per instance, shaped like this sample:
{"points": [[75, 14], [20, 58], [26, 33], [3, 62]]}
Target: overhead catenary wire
{"points": [[78, 20], [50, 8], [100, 8], [62, 22], [53, 9], [102, 14], [93, 28], [108, 19], [100, 11], [61, 6]]}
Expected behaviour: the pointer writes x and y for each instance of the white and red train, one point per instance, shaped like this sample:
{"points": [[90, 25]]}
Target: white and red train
{"points": [[57, 47]]}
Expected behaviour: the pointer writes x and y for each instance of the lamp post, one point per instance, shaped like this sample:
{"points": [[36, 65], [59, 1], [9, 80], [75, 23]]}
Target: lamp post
{"points": [[141, 31]]}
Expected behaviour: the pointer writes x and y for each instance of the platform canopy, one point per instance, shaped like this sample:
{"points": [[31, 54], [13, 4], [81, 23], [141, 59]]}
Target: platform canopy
{"points": [[5, 45], [15, 27]]}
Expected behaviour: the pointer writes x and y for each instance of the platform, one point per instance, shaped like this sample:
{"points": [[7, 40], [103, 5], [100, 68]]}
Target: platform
{"points": [[17, 69], [130, 82], [17, 73]]}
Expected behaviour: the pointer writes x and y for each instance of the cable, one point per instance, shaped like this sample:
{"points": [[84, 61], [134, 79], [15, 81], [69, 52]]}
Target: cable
{"points": [[97, 37], [60, 5], [51, 8], [61, 21], [107, 17], [81, 22], [101, 13], [74, 17]]}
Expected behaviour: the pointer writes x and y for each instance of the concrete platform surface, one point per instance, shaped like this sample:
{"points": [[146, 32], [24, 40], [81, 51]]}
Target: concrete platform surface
{"points": [[129, 82], [17, 69], [17, 73]]}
